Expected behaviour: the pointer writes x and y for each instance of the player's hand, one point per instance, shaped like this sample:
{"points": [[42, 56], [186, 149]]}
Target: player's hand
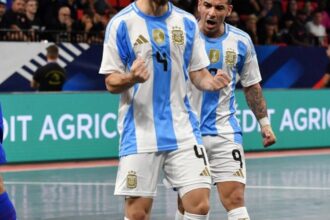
{"points": [[268, 136], [139, 71], [221, 79]]}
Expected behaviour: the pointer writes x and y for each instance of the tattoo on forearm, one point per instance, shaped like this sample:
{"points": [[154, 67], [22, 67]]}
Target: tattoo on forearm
{"points": [[256, 101]]}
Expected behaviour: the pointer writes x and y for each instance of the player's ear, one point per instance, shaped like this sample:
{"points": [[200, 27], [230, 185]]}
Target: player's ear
{"points": [[230, 9]]}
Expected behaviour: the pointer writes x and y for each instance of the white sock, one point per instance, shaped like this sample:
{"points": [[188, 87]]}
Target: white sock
{"points": [[238, 214], [126, 218], [178, 215], [189, 216]]}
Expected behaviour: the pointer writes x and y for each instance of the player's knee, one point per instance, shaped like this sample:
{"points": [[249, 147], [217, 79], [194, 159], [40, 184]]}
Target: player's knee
{"points": [[138, 215], [234, 200], [201, 208], [237, 199], [197, 201], [138, 208]]}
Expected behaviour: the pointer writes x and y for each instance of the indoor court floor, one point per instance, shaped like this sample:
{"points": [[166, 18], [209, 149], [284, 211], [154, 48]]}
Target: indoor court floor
{"points": [[278, 188]]}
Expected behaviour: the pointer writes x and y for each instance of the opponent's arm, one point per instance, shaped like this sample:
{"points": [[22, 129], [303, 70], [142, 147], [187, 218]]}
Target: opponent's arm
{"points": [[257, 104], [203, 80], [118, 82]]}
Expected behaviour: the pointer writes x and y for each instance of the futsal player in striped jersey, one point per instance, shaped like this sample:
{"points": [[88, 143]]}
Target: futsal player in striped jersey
{"points": [[7, 210], [230, 49], [151, 50]]}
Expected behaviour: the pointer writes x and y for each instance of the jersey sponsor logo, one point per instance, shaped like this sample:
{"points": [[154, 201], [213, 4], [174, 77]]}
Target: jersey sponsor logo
{"points": [[230, 58], [205, 172], [177, 36], [239, 173], [131, 180], [214, 55], [158, 36], [140, 40]]}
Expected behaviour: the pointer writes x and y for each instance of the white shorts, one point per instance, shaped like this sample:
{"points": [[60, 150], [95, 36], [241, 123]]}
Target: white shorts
{"points": [[185, 169], [226, 158]]}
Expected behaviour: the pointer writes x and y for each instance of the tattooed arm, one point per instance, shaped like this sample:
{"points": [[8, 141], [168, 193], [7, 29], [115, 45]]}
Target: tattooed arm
{"points": [[256, 101], [257, 104]]}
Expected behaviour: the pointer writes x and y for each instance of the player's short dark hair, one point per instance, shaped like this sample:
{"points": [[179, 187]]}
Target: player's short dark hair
{"points": [[230, 2], [52, 51]]}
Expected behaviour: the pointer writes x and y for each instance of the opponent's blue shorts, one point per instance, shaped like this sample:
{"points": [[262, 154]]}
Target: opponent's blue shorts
{"points": [[2, 152]]}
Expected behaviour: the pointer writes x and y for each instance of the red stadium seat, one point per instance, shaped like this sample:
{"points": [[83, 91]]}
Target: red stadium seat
{"points": [[300, 4], [284, 5], [315, 5]]}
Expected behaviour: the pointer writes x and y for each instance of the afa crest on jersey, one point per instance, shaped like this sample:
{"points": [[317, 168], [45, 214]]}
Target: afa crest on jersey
{"points": [[177, 36], [230, 58], [214, 55], [158, 35]]}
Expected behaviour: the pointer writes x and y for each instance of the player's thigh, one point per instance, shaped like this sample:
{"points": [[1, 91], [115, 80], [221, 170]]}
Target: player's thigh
{"points": [[226, 158], [138, 174], [187, 169]]}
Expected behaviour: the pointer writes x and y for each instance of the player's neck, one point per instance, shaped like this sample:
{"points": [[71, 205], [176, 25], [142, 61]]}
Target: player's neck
{"points": [[151, 8], [49, 60]]}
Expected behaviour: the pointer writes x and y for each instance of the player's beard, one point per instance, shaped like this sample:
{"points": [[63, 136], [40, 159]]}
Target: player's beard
{"points": [[161, 2]]}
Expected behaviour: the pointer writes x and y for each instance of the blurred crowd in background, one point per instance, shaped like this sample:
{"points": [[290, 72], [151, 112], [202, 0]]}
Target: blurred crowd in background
{"points": [[268, 22]]}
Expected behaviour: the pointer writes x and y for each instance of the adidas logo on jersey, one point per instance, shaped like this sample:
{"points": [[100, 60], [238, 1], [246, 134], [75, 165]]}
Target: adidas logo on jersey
{"points": [[239, 173], [205, 172], [140, 40]]}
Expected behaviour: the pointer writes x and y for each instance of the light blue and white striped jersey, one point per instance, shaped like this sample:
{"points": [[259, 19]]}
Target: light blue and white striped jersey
{"points": [[235, 54], [155, 115]]}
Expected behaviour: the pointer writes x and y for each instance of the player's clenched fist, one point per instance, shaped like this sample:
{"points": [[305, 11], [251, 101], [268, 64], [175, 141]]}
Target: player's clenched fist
{"points": [[139, 71], [268, 135], [221, 79]]}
